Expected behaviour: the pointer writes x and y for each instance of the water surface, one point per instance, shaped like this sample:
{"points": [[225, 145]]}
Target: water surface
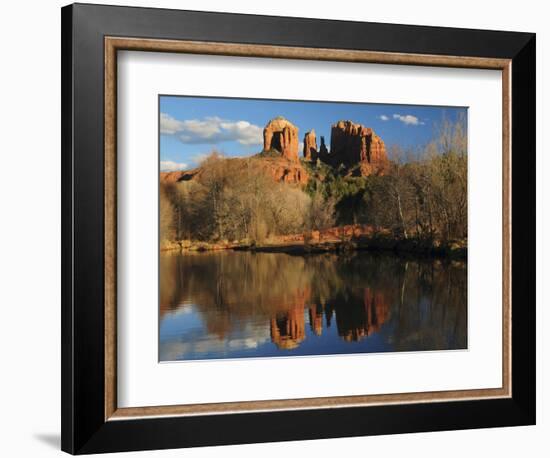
{"points": [[234, 304]]}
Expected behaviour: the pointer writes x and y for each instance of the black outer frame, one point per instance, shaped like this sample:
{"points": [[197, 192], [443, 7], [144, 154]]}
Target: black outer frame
{"points": [[84, 429]]}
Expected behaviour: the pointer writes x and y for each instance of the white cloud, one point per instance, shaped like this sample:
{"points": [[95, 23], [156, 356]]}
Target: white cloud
{"points": [[171, 166], [384, 117], [244, 132], [169, 125], [409, 120], [301, 146], [211, 130]]}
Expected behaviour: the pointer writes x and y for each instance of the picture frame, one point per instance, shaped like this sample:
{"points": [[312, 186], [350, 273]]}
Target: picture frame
{"points": [[92, 35]]}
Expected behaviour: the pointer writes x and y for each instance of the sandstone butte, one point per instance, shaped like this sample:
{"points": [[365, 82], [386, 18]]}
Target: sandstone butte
{"points": [[310, 146], [353, 145], [282, 136]]}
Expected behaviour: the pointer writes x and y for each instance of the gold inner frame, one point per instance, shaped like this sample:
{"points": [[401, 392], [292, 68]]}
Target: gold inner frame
{"points": [[114, 44]]}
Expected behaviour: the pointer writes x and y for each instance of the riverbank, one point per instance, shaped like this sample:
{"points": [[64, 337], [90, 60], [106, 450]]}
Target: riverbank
{"points": [[340, 239], [453, 250]]}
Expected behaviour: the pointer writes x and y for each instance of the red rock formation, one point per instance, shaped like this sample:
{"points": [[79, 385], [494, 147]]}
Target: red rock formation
{"points": [[282, 136], [352, 144], [323, 151], [282, 171], [310, 146], [277, 168]]}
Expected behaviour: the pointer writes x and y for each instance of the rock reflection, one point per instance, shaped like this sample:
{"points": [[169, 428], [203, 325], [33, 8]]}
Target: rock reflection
{"points": [[321, 304], [288, 329]]}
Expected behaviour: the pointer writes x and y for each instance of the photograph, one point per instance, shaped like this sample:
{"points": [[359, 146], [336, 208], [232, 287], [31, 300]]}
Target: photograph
{"points": [[310, 228]]}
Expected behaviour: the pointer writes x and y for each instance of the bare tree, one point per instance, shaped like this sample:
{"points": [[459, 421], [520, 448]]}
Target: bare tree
{"points": [[322, 212]]}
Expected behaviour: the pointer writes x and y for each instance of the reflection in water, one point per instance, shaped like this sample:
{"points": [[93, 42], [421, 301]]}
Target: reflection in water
{"points": [[243, 304]]}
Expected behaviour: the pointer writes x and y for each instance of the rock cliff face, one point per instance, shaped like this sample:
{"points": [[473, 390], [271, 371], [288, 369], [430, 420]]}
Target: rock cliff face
{"points": [[323, 151], [282, 171], [323, 148], [277, 168], [354, 144], [310, 146], [282, 136]]}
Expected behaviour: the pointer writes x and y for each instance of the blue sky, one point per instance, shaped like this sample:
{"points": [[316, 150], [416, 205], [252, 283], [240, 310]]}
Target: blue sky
{"points": [[191, 127]]}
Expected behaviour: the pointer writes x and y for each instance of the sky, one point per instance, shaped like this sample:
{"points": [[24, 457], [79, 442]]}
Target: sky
{"points": [[192, 127]]}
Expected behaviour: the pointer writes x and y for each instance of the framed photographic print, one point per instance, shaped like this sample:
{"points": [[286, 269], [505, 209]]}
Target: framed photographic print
{"points": [[284, 228]]}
